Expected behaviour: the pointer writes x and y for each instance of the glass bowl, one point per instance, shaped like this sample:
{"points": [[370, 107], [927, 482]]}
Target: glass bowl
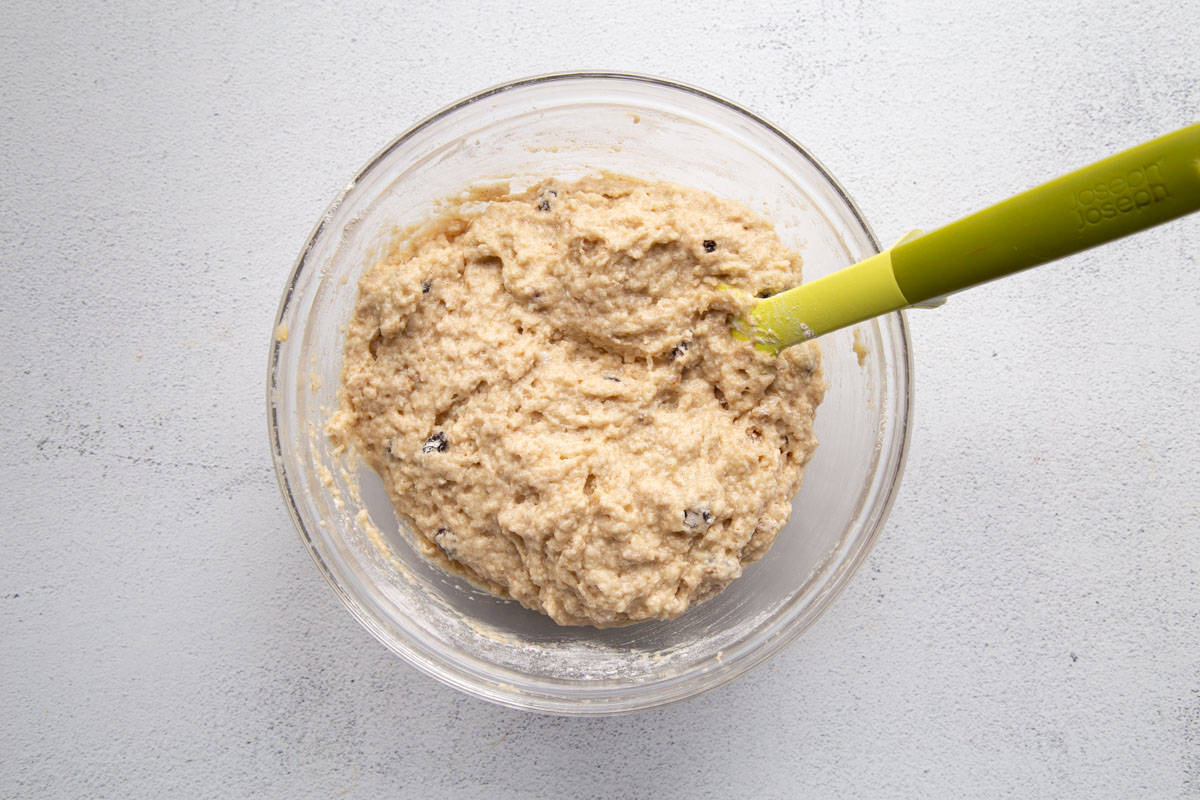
{"points": [[565, 126]]}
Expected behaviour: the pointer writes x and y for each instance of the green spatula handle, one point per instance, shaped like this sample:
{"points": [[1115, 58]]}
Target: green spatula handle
{"points": [[1131, 191]]}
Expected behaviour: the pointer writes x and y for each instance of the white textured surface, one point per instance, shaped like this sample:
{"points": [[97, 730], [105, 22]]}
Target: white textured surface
{"points": [[1029, 624]]}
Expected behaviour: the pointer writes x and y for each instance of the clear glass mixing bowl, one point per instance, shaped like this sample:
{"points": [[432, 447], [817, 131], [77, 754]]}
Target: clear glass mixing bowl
{"points": [[565, 126]]}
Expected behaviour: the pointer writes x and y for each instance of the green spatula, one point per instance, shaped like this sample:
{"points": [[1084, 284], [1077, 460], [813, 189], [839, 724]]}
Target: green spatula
{"points": [[1131, 191]]}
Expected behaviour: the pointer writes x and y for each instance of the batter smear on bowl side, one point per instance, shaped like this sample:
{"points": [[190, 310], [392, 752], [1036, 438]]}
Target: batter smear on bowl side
{"points": [[546, 383]]}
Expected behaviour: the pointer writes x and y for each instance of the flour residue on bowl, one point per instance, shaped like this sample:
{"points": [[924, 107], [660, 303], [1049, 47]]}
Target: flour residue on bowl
{"points": [[860, 348]]}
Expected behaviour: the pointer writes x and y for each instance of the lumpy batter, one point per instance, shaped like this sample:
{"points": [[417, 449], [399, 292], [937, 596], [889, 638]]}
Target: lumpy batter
{"points": [[547, 384]]}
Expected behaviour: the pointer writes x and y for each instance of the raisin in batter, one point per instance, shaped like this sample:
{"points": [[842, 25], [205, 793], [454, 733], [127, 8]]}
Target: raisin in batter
{"points": [[547, 384]]}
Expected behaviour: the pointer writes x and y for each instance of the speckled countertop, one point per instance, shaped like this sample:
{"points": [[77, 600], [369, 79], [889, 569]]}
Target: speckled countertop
{"points": [[1029, 624]]}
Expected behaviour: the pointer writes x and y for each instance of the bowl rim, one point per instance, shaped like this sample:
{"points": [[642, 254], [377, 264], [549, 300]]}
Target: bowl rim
{"points": [[605, 705]]}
